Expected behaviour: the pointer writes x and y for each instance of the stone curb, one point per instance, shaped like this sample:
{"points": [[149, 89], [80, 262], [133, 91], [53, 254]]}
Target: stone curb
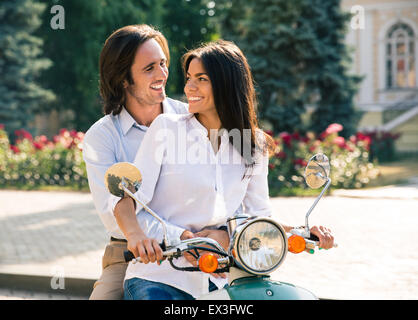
{"points": [[38, 283]]}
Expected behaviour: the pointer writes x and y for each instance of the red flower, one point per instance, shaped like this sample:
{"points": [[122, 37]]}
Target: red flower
{"points": [[269, 132], [73, 134], [1, 126], [300, 162], [271, 166], [286, 137], [38, 146], [23, 134], [63, 131], [14, 149], [281, 155]]}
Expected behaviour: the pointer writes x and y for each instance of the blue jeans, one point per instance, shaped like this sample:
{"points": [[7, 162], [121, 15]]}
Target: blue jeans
{"points": [[140, 289]]}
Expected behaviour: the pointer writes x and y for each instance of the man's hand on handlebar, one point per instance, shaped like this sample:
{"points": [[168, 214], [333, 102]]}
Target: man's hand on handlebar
{"points": [[148, 249]]}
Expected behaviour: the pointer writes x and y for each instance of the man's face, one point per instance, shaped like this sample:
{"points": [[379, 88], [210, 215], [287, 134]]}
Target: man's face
{"points": [[149, 74]]}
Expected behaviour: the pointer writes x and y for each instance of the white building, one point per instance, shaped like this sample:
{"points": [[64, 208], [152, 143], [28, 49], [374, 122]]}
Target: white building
{"points": [[384, 36]]}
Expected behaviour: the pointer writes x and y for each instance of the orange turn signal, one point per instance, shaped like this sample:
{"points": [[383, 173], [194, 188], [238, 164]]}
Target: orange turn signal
{"points": [[296, 243], [208, 263]]}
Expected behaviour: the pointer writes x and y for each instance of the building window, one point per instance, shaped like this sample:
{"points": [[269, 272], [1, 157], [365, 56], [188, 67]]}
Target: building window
{"points": [[400, 57]]}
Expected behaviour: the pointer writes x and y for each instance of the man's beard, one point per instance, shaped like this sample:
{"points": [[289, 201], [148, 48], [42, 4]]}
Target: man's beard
{"points": [[142, 101]]}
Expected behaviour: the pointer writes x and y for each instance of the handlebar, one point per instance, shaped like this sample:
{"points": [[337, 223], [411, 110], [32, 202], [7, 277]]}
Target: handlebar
{"points": [[184, 245]]}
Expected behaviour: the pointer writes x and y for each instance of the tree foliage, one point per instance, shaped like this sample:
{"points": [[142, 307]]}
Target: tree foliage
{"points": [[21, 63], [75, 50], [297, 53]]}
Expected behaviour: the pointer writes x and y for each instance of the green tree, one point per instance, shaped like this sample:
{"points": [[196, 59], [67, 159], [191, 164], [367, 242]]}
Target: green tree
{"points": [[186, 23], [297, 53], [21, 63], [75, 50]]}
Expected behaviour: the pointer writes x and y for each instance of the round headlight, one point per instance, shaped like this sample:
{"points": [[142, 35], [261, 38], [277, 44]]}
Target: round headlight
{"points": [[261, 246]]}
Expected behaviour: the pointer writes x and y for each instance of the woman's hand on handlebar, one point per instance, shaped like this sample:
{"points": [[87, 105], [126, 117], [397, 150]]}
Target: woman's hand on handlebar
{"points": [[221, 237], [148, 249], [326, 239]]}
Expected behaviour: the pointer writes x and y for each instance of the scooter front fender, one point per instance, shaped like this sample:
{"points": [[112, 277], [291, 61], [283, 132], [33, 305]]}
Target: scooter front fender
{"points": [[260, 288]]}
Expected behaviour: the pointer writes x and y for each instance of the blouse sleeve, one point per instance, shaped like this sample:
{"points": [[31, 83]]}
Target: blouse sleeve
{"points": [[256, 201]]}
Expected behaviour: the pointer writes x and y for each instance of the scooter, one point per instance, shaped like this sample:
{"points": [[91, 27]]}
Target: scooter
{"points": [[258, 245]]}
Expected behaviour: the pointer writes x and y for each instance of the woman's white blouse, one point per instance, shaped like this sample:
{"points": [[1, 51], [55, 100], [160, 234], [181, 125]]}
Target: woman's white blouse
{"points": [[191, 187]]}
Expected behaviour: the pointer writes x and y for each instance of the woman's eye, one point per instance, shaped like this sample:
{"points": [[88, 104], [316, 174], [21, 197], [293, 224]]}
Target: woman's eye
{"points": [[202, 79]]}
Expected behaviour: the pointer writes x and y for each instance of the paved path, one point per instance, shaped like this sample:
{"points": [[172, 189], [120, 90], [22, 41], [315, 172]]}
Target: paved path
{"points": [[58, 234]]}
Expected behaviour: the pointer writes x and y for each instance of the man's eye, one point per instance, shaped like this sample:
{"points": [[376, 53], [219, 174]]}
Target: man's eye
{"points": [[149, 69]]}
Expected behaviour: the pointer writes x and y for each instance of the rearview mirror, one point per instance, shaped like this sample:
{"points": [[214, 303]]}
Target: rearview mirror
{"points": [[317, 171], [113, 178]]}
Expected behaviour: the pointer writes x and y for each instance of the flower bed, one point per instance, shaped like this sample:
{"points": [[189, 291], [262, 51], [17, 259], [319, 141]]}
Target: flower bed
{"points": [[349, 158], [36, 162], [33, 163]]}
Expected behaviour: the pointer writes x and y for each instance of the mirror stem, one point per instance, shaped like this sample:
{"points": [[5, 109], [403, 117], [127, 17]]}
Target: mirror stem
{"points": [[314, 204], [148, 209]]}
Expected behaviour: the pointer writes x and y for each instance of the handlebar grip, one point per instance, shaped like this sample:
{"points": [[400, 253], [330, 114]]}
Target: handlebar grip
{"points": [[129, 256]]}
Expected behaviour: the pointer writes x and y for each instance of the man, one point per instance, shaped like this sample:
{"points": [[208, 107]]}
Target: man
{"points": [[133, 74]]}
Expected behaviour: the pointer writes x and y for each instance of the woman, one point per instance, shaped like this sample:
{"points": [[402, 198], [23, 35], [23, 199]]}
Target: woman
{"points": [[201, 168]]}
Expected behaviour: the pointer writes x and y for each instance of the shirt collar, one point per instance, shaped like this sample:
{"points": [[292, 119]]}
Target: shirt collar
{"points": [[127, 122], [197, 125]]}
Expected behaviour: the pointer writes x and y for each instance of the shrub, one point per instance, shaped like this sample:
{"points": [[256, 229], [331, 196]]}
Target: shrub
{"points": [[349, 159], [382, 144], [35, 162]]}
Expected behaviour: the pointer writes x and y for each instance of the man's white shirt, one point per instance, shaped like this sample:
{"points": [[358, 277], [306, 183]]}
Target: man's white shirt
{"points": [[112, 139]]}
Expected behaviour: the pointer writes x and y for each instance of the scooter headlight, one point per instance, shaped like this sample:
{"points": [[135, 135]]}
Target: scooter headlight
{"points": [[261, 246]]}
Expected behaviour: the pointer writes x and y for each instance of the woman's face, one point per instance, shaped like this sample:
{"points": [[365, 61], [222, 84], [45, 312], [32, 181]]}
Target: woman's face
{"points": [[198, 88]]}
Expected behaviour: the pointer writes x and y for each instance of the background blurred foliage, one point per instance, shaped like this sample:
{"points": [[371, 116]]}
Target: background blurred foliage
{"points": [[21, 62], [295, 48], [75, 50]]}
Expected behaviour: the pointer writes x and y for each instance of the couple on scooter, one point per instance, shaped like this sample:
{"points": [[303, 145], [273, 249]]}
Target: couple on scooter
{"points": [[194, 172]]}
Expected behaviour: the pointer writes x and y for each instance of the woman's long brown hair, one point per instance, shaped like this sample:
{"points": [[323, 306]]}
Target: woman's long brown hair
{"points": [[233, 92]]}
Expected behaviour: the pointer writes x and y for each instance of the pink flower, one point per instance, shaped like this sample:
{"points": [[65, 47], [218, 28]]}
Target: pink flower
{"points": [[334, 128], [1, 126], [340, 141], [43, 139]]}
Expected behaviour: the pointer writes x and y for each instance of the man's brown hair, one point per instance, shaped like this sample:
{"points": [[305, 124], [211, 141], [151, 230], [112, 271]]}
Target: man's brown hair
{"points": [[116, 60]]}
